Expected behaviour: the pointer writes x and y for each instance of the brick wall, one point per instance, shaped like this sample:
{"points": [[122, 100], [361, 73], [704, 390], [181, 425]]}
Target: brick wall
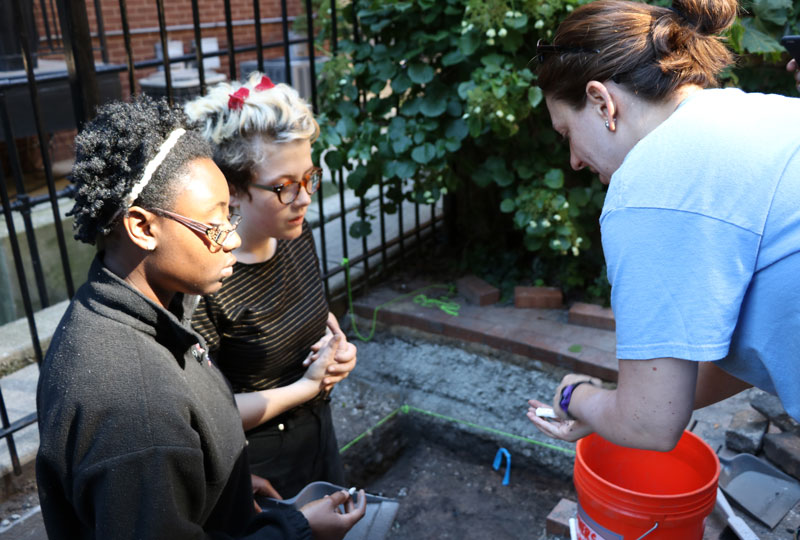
{"points": [[143, 15]]}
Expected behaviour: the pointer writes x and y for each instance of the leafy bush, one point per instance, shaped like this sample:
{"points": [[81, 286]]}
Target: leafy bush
{"points": [[439, 96]]}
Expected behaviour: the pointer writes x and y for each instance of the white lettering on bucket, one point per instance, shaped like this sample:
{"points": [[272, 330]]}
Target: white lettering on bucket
{"points": [[589, 529]]}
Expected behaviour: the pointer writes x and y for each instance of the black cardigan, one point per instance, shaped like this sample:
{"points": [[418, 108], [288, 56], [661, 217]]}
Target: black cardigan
{"points": [[139, 434]]}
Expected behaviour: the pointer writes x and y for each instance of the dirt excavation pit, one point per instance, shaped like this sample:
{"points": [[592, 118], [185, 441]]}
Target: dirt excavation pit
{"points": [[444, 479]]}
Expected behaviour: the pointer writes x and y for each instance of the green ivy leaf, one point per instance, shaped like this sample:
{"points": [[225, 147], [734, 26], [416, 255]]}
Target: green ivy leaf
{"points": [[347, 108], [516, 22], [507, 206], [493, 59], [535, 96], [523, 170], [346, 127], [454, 108], [384, 70], [453, 57], [434, 102], [773, 11], [401, 144], [411, 107], [499, 91], [469, 43], [360, 229], [405, 169], [756, 41], [420, 73], [380, 25], [456, 129], [397, 126], [452, 145], [554, 179], [356, 179], [423, 154], [465, 88], [334, 159], [579, 196], [400, 83]]}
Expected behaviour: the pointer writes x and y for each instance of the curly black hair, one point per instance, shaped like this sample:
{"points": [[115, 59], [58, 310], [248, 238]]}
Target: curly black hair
{"points": [[111, 153]]}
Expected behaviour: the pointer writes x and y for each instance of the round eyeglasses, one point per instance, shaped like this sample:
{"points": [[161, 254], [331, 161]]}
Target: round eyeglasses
{"points": [[289, 191], [216, 233]]}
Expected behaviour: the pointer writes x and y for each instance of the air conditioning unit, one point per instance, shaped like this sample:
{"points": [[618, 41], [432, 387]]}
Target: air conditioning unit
{"points": [[275, 69]]}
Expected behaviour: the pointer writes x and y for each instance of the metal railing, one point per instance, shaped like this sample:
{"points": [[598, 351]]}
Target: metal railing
{"points": [[70, 31]]}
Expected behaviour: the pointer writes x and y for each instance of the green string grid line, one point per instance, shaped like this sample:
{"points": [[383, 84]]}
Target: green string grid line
{"points": [[448, 307], [405, 409]]}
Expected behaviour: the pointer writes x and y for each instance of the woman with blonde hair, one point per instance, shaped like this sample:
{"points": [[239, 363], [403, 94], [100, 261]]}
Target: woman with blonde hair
{"points": [[269, 320], [700, 226]]}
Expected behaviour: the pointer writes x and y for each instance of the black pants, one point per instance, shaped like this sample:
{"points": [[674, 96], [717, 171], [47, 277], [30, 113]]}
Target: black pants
{"points": [[296, 448]]}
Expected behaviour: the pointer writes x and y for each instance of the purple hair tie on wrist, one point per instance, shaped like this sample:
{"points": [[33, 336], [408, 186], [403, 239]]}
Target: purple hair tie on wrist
{"points": [[566, 397]]}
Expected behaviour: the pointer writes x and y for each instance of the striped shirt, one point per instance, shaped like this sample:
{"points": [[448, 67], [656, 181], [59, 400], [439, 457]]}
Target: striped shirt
{"points": [[259, 327]]}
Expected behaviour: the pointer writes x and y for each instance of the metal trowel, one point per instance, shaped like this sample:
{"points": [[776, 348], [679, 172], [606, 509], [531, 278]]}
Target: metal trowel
{"points": [[762, 490]]}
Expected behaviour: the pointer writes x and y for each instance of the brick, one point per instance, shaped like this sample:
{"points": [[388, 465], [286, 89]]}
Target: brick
{"points": [[538, 297], [746, 431], [592, 315], [771, 407], [558, 518], [783, 449], [477, 291]]}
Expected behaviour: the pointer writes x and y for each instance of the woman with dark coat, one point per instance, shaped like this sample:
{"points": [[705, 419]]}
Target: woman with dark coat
{"points": [[140, 436]]}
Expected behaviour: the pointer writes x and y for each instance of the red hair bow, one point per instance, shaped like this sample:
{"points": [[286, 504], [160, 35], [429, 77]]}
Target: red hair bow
{"points": [[265, 84], [236, 100]]}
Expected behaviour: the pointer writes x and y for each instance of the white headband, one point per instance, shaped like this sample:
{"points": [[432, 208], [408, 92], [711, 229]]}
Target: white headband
{"points": [[151, 167]]}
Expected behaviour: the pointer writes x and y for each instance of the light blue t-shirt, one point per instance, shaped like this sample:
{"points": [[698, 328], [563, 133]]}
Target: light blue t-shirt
{"points": [[701, 234]]}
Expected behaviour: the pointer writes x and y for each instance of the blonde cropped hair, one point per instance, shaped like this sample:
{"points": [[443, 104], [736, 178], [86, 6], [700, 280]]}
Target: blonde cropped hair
{"points": [[239, 118]]}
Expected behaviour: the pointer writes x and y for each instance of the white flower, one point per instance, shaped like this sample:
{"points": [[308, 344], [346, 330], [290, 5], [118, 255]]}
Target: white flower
{"points": [[490, 33], [464, 24], [466, 9], [566, 204], [570, 8], [510, 117], [465, 116], [502, 33], [517, 14], [539, 24], [578, 241], [533, 224], [499, 114], [545, 223], [477, 109], [575, 250], [342, 82], [509, 14], [470, 27], [557, 217], [490, 41]]}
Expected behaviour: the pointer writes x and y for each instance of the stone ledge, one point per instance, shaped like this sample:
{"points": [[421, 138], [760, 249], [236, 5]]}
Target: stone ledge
{"points": [[528, 333], [15, 337], [538, 297], [558, 518], [592, 315], [477, 291]]}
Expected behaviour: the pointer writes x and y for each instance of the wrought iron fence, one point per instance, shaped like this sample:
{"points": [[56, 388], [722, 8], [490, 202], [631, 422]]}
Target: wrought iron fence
{"points": [[27, 110]]}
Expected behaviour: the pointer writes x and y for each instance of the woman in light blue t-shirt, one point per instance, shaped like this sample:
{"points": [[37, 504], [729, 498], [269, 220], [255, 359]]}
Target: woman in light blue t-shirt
{"points": [[699, 225]]}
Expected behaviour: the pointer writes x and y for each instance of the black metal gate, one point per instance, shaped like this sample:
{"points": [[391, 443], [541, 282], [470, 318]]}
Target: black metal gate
{"points": [[100, 60]]}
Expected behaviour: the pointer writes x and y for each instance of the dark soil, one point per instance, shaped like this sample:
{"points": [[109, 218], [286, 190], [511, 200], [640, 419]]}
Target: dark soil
{"points": [[447, 487], [447, 495]]}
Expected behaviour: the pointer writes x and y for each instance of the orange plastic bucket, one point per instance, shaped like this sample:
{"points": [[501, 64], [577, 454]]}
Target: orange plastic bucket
{"points": [[625, 493]]}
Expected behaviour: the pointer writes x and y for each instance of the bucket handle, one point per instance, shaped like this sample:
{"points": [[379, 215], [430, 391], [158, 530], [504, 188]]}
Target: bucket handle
{"points": [[648, 532]]}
